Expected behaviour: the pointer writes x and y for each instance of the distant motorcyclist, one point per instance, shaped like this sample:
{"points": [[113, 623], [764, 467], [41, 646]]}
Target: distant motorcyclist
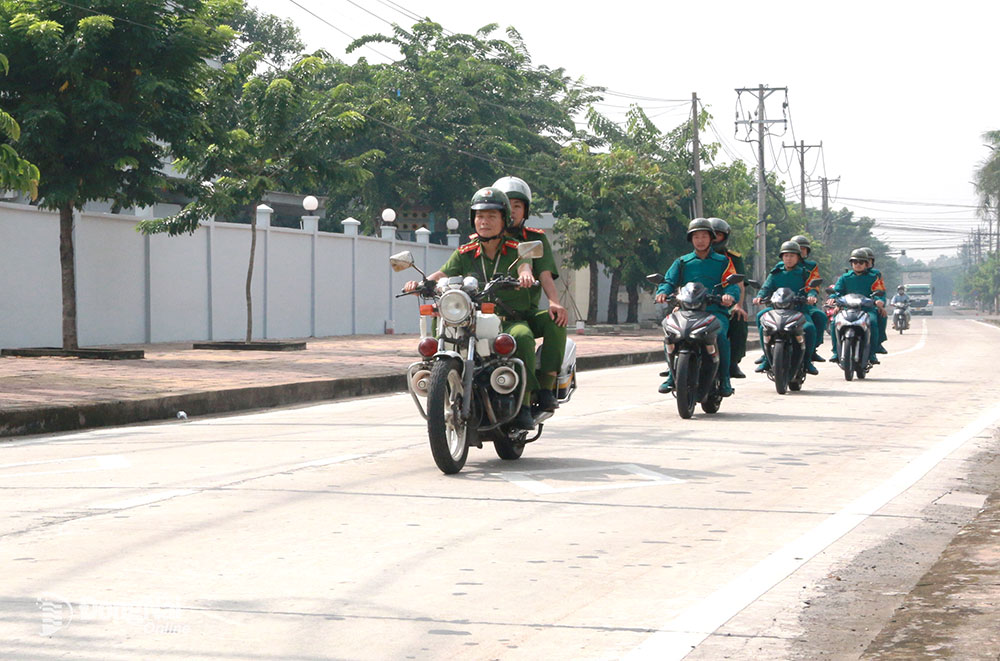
{"points": [[795, 275], [737, 315], [817, 315], [860, 280], [708, 267], [491, 253], [901, 298]]}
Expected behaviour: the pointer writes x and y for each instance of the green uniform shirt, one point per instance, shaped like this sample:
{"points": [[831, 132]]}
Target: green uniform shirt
{"points": [[866, 284], [547, 262], [812, 273], [710, 271], [471, 259], [795, 279]]}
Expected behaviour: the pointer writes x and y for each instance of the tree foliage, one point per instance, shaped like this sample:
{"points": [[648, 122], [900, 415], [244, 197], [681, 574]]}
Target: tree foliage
{"points": [[15, 172]]}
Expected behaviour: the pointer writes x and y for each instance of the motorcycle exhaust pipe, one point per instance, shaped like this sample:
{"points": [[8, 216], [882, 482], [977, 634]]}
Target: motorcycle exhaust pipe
{"points": [[421, 382], [504, 380]]}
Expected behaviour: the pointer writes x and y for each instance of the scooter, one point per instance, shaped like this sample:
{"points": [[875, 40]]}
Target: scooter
{"points": [[468, 375], [784, 338], [900, 317], [853, 330], [690, 341]]}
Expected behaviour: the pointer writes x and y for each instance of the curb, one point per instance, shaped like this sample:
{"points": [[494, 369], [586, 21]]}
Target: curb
{"points": [[52, 419]]}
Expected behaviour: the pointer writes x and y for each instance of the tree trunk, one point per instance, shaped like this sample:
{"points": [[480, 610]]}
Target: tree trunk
{"points": [[592, 299], [616, 283], [633, 303], [253, 250], [66, 262]]}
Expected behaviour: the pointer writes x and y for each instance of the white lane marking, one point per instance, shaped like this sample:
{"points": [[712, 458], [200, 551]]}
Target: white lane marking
{"points": [[983, 323], [919, 345], [108, 462], [678, 637], [535, 485], [326, 462], [146, 499]]}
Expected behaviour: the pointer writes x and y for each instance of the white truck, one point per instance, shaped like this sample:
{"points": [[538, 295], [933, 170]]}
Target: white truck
{"points": [[920, 290]]}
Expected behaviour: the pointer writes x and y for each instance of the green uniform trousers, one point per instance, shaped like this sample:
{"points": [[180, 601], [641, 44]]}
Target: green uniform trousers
{"points": [[553, 344], [525, 339], [738, 331]]}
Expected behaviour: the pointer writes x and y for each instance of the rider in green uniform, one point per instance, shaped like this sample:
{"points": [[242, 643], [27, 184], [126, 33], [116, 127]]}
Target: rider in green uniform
{"points": [[550, 325], [883, 314], [817, 315], [860, 280], [738, 329], [795, 275], [491, 253], [708, 267]]}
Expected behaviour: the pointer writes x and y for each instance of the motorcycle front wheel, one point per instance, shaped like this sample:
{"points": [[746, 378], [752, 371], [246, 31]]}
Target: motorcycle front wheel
{"points": [[779, 366], [445, 429], [686, 383], [847, 349]]}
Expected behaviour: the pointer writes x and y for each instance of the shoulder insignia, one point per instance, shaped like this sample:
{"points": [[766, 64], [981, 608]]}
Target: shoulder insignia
{"points": [[509, 243], [468, 247], [733, 253], [534, 229]]}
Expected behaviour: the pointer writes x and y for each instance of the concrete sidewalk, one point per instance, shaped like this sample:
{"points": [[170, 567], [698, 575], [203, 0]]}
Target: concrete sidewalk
{"points": [[45, 395]]}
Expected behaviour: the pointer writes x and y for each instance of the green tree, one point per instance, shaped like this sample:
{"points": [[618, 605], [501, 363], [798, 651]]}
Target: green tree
{"points": [[281, 130], [455, 112], [102, 91], [15, 172]]}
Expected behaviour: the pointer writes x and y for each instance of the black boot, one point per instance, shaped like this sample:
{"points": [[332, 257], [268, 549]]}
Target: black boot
{"points": [[523, 419], [546, 400], [816, 358], [735, 372]]}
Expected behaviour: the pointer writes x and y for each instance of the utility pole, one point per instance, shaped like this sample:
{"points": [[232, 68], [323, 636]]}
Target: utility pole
{"points": [[699, 204], [827, 220], [760, 229], [802, 165]]}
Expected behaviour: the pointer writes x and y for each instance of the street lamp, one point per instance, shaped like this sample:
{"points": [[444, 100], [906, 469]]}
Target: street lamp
{"points": [[388, 229], [310, 221], [453, 237]]}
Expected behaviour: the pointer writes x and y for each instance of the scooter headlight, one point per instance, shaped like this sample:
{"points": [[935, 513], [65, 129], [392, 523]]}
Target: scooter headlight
{"points": [[455, 306]]}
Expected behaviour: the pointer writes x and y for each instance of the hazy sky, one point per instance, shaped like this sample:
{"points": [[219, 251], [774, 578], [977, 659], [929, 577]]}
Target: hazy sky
{"points": [[898, 94]]}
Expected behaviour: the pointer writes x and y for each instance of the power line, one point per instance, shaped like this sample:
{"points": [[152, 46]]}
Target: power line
{"points": [[326, 22], [924, 204]]}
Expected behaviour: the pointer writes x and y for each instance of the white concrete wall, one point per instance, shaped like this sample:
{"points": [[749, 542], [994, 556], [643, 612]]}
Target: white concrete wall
{"points": [[134, 289]]}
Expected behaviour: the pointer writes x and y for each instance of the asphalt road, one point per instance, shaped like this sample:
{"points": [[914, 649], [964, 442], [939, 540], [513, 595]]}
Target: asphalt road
{"points": [[326, 532]]}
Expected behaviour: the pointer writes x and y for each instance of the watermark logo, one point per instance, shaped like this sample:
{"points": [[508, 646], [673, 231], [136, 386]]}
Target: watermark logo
{"points": [[156, 615], [57, 613]]}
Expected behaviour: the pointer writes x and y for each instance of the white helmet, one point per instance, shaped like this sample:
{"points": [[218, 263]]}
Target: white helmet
{"points": [[516, 189]]}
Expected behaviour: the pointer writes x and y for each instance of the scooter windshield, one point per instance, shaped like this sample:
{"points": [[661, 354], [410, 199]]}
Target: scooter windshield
{"points": [[692, 296], [783, 299]]}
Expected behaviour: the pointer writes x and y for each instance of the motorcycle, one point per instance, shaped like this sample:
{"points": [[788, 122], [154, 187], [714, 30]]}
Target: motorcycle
{"points": [[853, 333], [691, 345], [784, 339], [472, 382], [900, 317]]}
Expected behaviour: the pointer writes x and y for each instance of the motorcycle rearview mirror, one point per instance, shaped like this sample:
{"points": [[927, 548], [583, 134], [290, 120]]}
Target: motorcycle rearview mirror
{"points": [[735, 279], [655, 278], [402, 261], [830, 289], [752, 283], [530, 250], [815, 283]]}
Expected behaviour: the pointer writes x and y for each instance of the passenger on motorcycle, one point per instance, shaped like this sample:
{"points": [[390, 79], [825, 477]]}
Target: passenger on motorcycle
{"points": [[737, 315], [488, 254], [708, 267], [883, 314], [817, 315], [795, 275], [549, 325], [860, 280]]}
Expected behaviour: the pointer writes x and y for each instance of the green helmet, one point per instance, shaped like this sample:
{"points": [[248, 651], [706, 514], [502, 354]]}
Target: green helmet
{"points": [[699, 224], [803, 241], [871, 253], [490, 198], [790, 247], [859, 253], [515, 189], [720, 226]]}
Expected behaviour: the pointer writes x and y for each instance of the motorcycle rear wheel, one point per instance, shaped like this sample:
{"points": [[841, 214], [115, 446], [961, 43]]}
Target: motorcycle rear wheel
{"points": [[686, 383], [779, 366], [445, 430], [507, 449]]}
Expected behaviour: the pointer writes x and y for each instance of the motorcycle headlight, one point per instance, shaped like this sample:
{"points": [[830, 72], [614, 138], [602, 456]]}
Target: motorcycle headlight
{"points": [[455, 306], [768, 323]]}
